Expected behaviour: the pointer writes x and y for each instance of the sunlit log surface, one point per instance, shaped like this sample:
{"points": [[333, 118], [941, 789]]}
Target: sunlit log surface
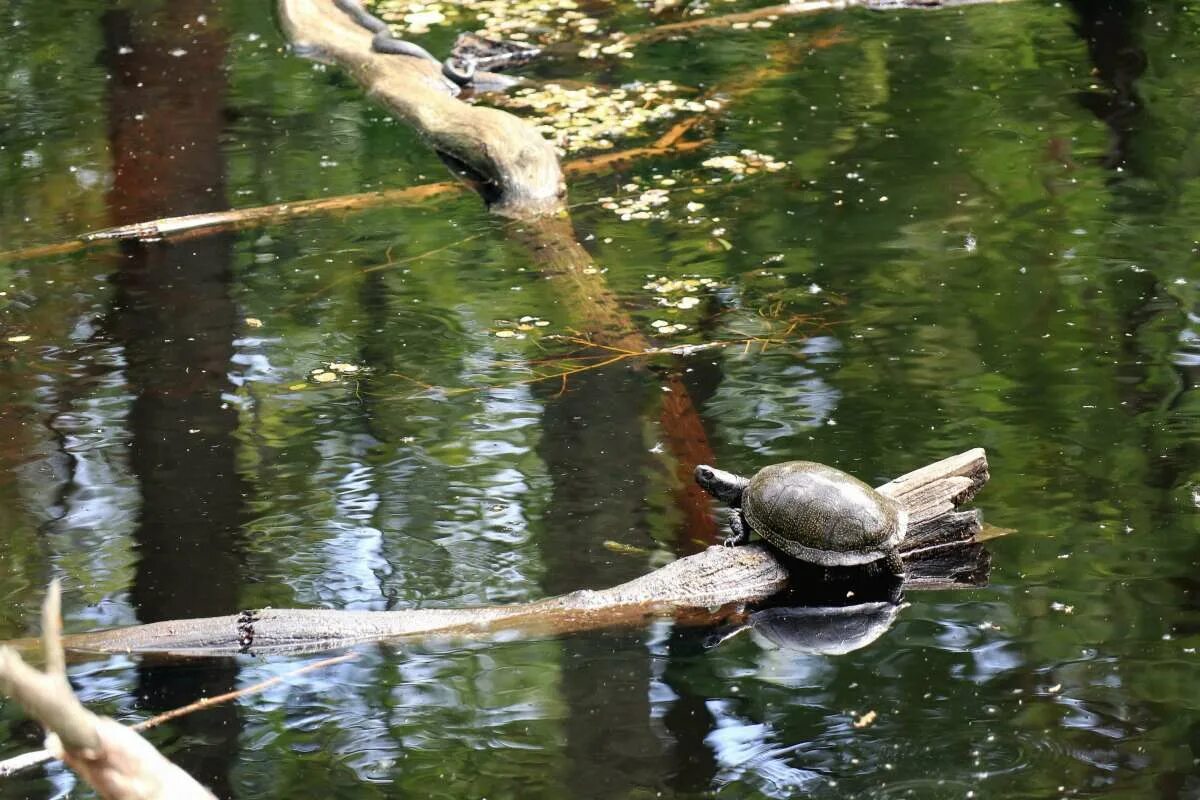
{"points": [[518, 169], [719, 577]]}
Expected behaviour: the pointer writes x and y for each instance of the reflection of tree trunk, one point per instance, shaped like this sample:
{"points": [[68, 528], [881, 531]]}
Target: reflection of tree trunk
{"points": [[593, 444], [593, 307], [693, 765], [1119, 61], [176, 321]]}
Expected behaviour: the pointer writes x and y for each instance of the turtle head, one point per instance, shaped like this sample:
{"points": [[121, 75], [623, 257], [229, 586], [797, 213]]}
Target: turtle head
{"points": [[725, 486]]}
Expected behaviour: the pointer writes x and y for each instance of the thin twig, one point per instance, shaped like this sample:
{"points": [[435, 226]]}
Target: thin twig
{"points": [[611, 355]]}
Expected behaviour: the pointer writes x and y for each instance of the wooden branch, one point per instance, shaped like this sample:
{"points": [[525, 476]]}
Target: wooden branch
{"points": [[717, 577], [182, 227], [114, 760], [518, 169]]}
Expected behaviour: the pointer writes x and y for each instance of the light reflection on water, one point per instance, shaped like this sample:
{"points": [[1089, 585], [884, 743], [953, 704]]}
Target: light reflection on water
{"points": [[167, 458]]}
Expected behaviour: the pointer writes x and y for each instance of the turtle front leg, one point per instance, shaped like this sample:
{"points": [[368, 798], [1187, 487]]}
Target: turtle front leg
{"points": [[739, 531]]}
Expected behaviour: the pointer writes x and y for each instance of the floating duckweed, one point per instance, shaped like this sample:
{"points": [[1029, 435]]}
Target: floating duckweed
{"points": [[592, 118], [677, 294], [553, 20], [746, 162], [332, 371], [517, 330], [641, 206], [681, 293], [618, 45]]}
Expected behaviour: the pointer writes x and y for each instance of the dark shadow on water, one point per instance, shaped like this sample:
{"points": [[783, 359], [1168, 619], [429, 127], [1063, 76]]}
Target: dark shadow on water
{"points": [[593, 444], [176, 322], [1110, 30]]}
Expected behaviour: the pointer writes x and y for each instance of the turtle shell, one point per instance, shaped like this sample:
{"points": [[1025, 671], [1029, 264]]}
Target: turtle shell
{"points": [[820, 514]]}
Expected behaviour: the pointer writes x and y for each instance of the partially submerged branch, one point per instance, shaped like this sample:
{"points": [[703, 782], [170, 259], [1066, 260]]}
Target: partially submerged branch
{"points": [[188, 225], [113, 759]]}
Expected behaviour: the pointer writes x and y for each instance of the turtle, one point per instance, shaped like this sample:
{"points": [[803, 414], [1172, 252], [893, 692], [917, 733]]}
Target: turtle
{"points": [[811, 512]]}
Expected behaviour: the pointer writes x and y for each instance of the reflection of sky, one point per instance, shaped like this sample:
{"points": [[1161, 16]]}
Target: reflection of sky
{"points": [[745, 750], [100, 498], [482, 521], [1188, 354], [352, 551], [773, 396], [751, 752]]}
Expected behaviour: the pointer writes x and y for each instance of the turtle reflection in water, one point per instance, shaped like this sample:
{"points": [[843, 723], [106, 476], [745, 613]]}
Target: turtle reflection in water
{"points": [[815, 630], [811, 512]]}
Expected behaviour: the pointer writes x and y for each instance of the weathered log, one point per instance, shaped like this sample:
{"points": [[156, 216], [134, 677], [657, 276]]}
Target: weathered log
{"points": [[690, 587], [517, 170]]}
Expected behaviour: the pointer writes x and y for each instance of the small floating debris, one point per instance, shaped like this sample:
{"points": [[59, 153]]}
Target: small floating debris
{"points": [[545, 20], [624, 549], [506, 329], [253, 322], [865, 720], [745, 162], [18, 339], [593, 117], [646, 205], [332, 372], [678, 294], [681, 293]]}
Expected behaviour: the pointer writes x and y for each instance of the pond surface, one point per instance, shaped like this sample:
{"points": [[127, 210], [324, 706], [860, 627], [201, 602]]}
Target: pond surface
{"points": [[984, 233]]}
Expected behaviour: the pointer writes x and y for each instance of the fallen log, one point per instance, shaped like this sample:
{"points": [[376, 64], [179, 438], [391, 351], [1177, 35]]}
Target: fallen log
{"points": [[514, 168], [719, 577]]}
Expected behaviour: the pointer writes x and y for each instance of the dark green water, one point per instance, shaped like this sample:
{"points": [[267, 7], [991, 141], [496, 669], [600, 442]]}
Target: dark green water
{"points": [[1029, 285]]}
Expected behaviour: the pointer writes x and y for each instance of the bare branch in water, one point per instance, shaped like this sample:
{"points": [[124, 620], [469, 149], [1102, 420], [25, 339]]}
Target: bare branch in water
{"points": [[114, 760]]}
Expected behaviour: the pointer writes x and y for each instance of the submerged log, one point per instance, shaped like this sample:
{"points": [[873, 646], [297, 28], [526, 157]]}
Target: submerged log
{"points": [[515, 169], [719, 577]]}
